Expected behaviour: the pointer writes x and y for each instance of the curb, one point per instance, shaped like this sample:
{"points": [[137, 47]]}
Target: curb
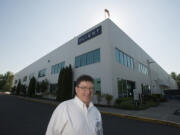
{"points": [[145, 119], [38, 100]]}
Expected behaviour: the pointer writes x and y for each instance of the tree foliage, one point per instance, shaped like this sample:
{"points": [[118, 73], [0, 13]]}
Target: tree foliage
{"points": [[32, 87], [18, 89], [6, 81], [108, 98], [42, 86], [176, 78], [64, 91]]}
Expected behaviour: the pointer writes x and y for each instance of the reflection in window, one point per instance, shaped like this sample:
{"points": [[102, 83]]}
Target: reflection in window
{"points": [[124, 59], [57, 68], [143, 69], [87, 58]]}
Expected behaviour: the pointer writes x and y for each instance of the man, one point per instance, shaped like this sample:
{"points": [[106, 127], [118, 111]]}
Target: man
{"points": [[77, 116]]}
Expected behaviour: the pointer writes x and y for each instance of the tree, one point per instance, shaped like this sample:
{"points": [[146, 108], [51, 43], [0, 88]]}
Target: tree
{"points": [[2, 81], [6, 81], [173, 75], [32, 87], [23, 89], [18, 89], [44, 85], [60, 85], [38, 87], [108, 98], [176, 78], [64, 91], [9, 81], [13, 90]]}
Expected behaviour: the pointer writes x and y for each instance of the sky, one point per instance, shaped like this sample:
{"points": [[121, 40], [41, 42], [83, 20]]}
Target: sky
{"points": [[29, 29]]}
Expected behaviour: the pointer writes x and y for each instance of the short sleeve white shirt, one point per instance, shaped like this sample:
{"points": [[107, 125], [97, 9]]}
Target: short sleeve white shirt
{"points": [[72, 117]]}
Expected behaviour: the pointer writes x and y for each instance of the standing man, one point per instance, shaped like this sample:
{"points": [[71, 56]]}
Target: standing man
{"points": [[77, 116]]}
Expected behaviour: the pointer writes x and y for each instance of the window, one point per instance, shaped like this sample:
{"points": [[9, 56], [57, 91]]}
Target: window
{"points": [[97, 85], [132, 63], [87, 58], [31, 76], [42, 73], [124, 59], [128, 61], [15, 82], [25, 79], [57, 67], [117, 55], [77, 62], [96, 56], [143, 69], [83, 60], [121, 58]]}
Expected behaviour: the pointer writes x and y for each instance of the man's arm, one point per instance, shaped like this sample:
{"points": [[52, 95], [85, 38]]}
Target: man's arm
{"points": [[58, 121], [99, 126]]}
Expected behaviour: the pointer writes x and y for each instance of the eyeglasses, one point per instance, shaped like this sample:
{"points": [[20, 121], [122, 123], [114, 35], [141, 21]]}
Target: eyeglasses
{"points": [[85, 88]]}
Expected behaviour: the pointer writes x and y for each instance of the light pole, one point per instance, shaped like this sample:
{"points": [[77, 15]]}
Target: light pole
{"points": [[149, 72]]}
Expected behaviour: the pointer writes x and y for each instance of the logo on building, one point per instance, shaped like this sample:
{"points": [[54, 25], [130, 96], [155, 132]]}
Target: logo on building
{"points": [[93, 33]]}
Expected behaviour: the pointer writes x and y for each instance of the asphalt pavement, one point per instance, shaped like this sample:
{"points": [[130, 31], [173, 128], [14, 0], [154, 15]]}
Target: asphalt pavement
{"points": [[27, 116]]}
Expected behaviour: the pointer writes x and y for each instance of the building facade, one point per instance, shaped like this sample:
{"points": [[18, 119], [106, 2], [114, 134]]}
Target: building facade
{"points": [[105, 52]]}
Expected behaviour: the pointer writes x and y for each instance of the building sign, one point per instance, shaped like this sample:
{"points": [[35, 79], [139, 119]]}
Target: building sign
{"points": [[93, 33]]}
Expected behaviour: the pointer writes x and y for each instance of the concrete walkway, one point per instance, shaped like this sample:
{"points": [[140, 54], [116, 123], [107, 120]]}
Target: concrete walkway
{"points": [[164, 113]]}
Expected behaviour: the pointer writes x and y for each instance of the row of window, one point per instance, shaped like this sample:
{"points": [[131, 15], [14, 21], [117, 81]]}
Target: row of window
{"points": [[87, 58], [57, 68], [124, 59], [90, 58], [82, 60], [143, 69]]}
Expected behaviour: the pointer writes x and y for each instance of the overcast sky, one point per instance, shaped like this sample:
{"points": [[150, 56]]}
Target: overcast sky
{"points": [[29, 29]]}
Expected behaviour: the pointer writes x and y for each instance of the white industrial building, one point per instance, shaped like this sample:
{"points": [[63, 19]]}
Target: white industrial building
{"points": [[105, 52]]}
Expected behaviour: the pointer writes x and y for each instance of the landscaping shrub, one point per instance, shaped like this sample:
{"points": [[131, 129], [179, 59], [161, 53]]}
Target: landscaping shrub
{"points": [[163, 99], [128, 103], [118, 101], [108, 98], [122, 99], [99, 96], [32, 87]]}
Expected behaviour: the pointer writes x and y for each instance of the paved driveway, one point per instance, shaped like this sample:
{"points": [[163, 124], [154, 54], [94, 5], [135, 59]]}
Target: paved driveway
{"points": [[20, 117]]}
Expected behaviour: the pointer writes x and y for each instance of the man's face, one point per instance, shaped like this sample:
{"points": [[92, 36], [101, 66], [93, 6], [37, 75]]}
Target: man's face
{"points": [[85, 91]]}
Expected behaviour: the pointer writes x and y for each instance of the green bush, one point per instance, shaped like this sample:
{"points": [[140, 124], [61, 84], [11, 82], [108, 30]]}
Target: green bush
{"points": [[163, 99], [152, 103], [99, 96], [128, 103], [122, 99], [118, 101], [108, 98]]}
